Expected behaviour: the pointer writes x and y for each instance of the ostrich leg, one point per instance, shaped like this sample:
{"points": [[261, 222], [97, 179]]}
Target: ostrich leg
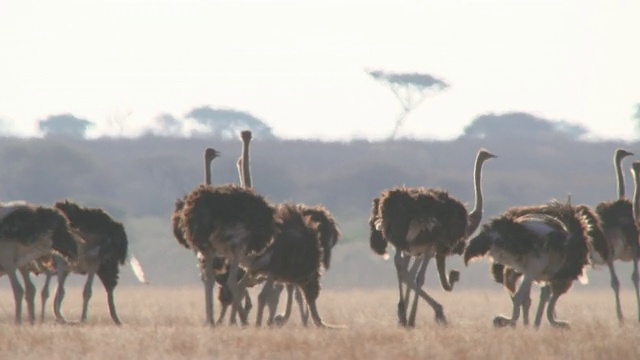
{"points": [[454, 275], [545, 293], [558, 288], [510, 280], [29, 294], [281, 319], [635, 277], [410, 278], [208, 278], [59, 296], [44, 294], [265, 293], [304, 309], [86, 295], [436, 306], [615, 285], [423, 261], [401, 263], [223, 293], [237, 290], [18, 293], [518, 298], [273, 301], [311, 290]]}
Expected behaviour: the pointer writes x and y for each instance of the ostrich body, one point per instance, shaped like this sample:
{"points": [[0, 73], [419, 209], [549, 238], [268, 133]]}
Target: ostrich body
{"points": [[28, 232], [326, 230], [423, 223], [102, 248], [549, 244], [296, 256]]}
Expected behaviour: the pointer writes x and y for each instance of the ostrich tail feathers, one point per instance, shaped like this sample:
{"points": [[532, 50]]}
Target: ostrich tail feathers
{"points": [[378, 243], [497, 272], [137, 270]]}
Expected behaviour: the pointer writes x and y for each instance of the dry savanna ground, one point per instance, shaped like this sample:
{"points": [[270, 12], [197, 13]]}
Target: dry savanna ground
{"points": [[168, 323]]}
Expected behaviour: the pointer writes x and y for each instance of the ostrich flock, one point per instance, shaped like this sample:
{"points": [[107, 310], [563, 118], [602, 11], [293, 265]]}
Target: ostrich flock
{"points": [[240, 240]]}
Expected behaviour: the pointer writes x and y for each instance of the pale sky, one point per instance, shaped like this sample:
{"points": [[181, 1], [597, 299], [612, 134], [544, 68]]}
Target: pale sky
{"points": [[300, 65]]}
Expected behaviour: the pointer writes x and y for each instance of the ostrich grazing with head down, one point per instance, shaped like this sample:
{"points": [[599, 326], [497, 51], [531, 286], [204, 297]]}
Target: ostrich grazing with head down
{"points": [[227, 221], [102, 248], [291, 257], [549, 244], [28, 232], [296, 257], [322, 224], [424, 223]]}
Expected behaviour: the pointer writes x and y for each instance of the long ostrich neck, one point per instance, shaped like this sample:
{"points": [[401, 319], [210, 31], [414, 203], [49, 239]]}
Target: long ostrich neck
{"points": [[207, 170], [636, 194], [617, 163], [475, 216], [246, 173]]}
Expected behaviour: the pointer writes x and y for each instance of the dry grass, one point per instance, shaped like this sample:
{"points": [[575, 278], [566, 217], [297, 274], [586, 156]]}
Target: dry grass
{"points": [[168, 323]]}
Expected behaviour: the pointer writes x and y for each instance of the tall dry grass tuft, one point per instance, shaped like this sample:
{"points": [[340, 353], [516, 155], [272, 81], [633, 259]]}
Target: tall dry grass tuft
{"points": [[168, 323]]}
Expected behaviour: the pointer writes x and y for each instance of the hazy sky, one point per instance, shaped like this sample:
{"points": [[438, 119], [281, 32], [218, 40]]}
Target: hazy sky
{"points": [[300, 65]]}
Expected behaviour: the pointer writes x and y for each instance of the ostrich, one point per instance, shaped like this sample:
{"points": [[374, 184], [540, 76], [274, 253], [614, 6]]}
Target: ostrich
{"points": [[621, 233], [296, 255], [548, 244], [222, 275], [219, 264], [102, 247], [424, 223], [28, 232], [326, 230], [316, 219], [228, 221]]}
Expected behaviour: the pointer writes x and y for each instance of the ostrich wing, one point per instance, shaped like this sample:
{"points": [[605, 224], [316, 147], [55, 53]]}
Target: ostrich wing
{"points": [[419, 224]]}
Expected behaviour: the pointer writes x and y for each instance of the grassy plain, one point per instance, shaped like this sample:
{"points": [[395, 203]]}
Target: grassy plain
{"points": [[167, 323]]}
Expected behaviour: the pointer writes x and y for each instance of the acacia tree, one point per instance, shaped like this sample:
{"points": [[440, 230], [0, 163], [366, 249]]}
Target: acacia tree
{"points": [[409, 88], [227, 123], [521, 125], [64, 125]]}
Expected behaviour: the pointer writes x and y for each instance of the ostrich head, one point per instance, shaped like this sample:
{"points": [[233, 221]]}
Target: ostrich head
{"points": [[245, 135], [621, 154], [484, 154], [210, 154]]}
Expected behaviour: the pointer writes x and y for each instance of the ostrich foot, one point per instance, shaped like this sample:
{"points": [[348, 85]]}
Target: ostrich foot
{"points": [[402, 314], [563, 325], [502, 321], [440, 318], [324, 325], [278, 320], [454, 277]]}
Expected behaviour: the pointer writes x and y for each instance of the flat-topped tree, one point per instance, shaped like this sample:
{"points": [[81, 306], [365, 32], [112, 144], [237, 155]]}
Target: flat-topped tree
{"points": [[409, 88]]}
